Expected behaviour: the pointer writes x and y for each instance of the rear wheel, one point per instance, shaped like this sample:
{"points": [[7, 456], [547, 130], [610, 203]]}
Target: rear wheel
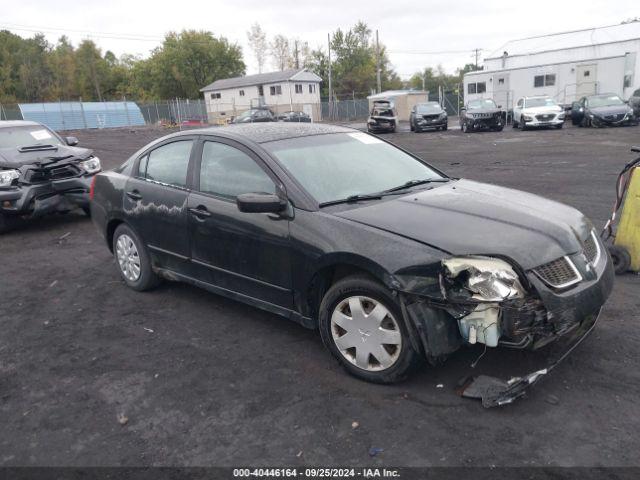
{"points": [[621, 259], [133, 260], [362, 326], [445, 127]]}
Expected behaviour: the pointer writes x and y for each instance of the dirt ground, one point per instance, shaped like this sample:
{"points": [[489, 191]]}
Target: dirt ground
{"points": [[203, 380]]}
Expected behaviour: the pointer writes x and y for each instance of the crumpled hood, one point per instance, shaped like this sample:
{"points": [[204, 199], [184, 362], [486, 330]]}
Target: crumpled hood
{"points": [[465, 218], [13, 158], [610, 110]]}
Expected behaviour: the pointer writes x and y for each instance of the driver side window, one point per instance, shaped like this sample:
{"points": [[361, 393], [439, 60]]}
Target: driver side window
{"points": [[520, 103], [227, 172]]}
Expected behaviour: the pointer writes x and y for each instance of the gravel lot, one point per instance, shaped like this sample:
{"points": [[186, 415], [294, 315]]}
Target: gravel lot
{"points": [[207, 381]]}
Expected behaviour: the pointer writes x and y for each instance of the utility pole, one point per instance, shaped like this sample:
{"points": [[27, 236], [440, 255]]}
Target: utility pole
{"points": [[296, 54], [476, 54], [330, 80], [378, 82]]}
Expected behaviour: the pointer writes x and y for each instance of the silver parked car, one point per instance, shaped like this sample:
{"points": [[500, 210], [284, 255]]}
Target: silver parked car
{"points": [[537, 111]]}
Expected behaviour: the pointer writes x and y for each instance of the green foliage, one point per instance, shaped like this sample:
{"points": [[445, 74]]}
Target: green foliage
{"points": [[32, 70]]}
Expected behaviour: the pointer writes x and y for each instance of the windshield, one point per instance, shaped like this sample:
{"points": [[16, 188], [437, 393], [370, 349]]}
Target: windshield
{"points": [[422, 108], [482, 103], [27, 136], [246, 114], [336, 166], [605, 101], [539, 102]]}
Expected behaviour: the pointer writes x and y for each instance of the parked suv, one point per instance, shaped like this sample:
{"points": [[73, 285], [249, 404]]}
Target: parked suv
{"points": [[428, 115], [538, 111], [41, 173], [481, 114], [391, 259]]}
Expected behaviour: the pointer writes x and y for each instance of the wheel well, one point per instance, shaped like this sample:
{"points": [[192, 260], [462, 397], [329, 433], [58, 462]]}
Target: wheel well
{"points": [[111, 229], [324, 279]]}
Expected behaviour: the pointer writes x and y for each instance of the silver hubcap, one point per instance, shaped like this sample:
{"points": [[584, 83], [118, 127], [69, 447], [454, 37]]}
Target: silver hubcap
{"points": [[128, 257], [366, 333]]}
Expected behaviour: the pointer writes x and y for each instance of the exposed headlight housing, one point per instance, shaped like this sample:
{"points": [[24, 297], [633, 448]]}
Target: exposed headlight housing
{"points": [[92, 165], [479, 279], [8, 176]]}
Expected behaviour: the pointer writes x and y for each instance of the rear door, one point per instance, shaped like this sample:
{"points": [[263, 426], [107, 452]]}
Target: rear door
{"points": [[246, 253], [155, 201]]}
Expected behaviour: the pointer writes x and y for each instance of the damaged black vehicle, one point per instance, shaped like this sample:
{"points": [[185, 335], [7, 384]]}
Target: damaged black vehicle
{"points": [[390, 258], [604, 110], [41, 173], [383, 117], [481, 115]]}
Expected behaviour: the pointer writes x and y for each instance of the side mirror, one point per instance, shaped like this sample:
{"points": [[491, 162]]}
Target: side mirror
{"points": [[71, 141], [499, 106], [260, 203]]}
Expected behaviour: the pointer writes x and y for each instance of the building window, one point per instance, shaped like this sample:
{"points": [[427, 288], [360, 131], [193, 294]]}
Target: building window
{"points": [[298, 88], [312, 88], [478, 87], [275, 90], [241, 93], [501, 81], [544, 80], [215, 96]]}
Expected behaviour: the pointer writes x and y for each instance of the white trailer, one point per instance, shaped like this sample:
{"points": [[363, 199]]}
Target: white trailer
{"points": [[564, 66]]}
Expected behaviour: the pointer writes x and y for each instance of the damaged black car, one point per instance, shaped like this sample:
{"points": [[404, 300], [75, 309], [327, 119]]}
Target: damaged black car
{"points": [[383, 117], [481, 115], [604, 110], [41, 173], [391, 259]]}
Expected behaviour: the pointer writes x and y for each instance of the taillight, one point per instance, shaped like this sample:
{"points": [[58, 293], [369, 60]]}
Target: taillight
{"points": [[92, 189]]}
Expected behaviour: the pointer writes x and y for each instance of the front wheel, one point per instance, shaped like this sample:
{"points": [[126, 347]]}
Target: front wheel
{"points": [[133, 260], [499, 129], [362, 326], [465, 127], [621, 259], [446, 127]]}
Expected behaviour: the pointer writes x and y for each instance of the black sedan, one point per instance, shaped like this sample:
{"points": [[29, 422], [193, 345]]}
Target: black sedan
{"points": [[428, 115], [606, 110], [255, 115], [481, 114], [41, 173], [293, 116], [391, 259]]}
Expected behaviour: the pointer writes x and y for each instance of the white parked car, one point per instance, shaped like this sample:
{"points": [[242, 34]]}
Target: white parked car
{"points": [[538, 111]]}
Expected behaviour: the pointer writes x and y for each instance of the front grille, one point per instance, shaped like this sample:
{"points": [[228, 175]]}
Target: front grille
{"points": [[430, 117], [559, 273], [613, 118], [482, 115], [545, 117], [63, 172], [591, 249]]}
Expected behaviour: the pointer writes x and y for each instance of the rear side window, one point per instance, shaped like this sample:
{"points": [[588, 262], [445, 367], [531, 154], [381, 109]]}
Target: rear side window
{"points": [[167, 164], [228, 172]]}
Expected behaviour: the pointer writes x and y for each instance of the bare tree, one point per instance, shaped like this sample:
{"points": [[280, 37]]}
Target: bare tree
{"points": [[258, 43], [279, 48], [300, 53]]}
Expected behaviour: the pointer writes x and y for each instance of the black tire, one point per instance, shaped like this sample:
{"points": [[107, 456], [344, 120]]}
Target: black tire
{"points": [[363, 285], [445, 128], [464, 127], [560, 126], [621, 259], [147, 279], [515, 124], [499, 129], [523, 127], [585, 122], [87, 211], [5, 224], [411, 127]]}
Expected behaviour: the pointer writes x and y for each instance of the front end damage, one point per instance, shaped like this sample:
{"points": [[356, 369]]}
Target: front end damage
{"points": [[487, 300]]}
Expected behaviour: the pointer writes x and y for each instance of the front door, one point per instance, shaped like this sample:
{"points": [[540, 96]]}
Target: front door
{"points": [[155, 201], [245, 253], [586, 80]]}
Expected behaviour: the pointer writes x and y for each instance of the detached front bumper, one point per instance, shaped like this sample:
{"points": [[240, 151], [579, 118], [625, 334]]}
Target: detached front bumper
{"points": [[34, 200]]}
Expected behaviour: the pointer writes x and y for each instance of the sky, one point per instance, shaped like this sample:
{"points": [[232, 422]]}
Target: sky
{"points": [[417, 34]]}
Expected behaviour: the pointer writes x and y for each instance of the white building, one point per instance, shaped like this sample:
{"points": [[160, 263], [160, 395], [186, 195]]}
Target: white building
{"points": [[566, 66], [403, 100], [297, 90]]}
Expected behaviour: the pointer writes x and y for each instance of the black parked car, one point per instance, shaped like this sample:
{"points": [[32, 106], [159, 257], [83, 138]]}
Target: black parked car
{"points": [[339, 230], [294, 117], [634, 102], [255, 115], [428, 115], [41, 173], [383, 117], [481, 114], [605, 110]]}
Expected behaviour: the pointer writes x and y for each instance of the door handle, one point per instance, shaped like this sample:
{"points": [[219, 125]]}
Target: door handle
{"points": [[200, 211], [134, 195]]}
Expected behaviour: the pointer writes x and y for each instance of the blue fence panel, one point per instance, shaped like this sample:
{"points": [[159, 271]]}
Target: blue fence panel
{"points": [[80, 115]]}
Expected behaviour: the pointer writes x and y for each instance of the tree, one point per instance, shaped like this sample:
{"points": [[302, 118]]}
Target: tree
{"points": [[91, 70], [190, 60], [258, 43], [279, 48]]}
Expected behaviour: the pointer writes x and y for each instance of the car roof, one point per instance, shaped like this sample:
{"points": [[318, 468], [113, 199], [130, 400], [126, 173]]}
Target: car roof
{"points": [[17, 123], [270, 131]]}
